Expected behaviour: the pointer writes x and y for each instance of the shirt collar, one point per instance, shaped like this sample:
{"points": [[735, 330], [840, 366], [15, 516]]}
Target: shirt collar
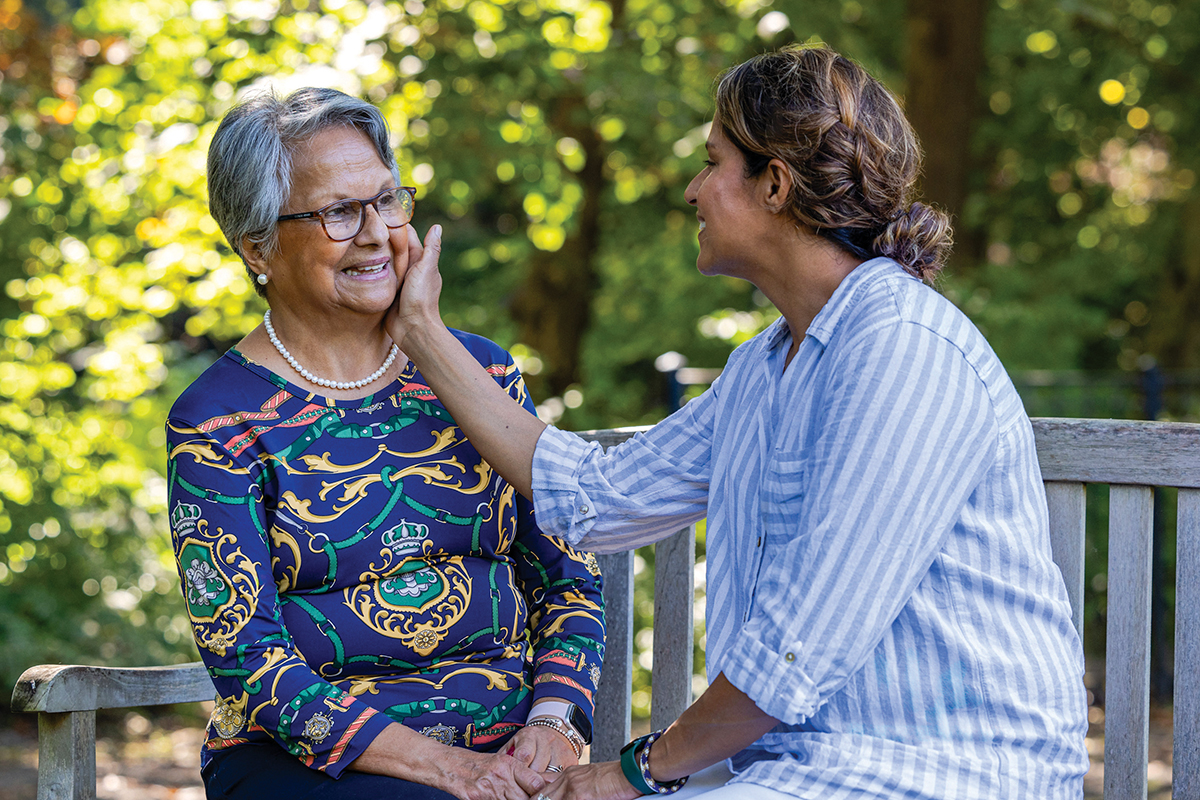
{"points": [[846, 295], [843, 299]]}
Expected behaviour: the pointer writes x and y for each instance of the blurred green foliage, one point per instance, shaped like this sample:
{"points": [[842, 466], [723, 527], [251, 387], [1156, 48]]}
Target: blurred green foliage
{"points": [[553, 139]]}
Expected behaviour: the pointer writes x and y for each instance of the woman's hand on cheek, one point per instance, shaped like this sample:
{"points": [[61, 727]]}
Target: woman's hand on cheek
{"points": [[420, 287], [413, 242], [603, 781]]}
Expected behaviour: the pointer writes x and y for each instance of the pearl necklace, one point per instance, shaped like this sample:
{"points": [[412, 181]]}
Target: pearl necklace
{"points": [[308, 376]]}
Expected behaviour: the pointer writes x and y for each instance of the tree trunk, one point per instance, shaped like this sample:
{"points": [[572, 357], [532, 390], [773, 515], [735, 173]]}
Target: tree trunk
{"points": [[553, 306], [1174, 334], [945, 39]]}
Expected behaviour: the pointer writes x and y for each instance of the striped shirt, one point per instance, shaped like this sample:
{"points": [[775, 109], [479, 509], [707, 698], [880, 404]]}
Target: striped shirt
{"points": [[879, 569]]}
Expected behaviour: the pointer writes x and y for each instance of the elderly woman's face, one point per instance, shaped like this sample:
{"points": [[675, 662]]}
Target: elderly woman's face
{"points": [[310, 273]]}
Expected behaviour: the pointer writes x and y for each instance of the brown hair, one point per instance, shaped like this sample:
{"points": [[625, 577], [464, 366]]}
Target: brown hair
{"points": [[852, 154]]}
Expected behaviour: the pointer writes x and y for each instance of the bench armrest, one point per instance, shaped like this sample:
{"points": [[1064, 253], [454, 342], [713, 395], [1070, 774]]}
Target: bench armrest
{"points": [[57, 688], [66, 697]]}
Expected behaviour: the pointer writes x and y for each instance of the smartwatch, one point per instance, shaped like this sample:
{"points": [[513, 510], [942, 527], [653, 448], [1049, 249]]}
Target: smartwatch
{"points": [[573, 714]]}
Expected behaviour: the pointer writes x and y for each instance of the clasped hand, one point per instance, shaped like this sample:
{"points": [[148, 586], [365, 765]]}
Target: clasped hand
{"points": [[512, 774]]}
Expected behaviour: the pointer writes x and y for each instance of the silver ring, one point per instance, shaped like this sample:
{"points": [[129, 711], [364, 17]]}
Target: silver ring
{"points": [[542, 797], [553, 768]]}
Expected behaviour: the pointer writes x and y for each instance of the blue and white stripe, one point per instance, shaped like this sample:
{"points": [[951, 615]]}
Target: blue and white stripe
{"points": [[879, 568]]}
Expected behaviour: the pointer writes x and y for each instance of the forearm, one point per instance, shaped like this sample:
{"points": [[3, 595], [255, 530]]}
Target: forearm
{"points": [[403, 753], [504, 433], [721, 723]]}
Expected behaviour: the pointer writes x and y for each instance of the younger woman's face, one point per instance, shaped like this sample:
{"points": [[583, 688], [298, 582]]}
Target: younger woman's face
{"points": [[732, 219]]}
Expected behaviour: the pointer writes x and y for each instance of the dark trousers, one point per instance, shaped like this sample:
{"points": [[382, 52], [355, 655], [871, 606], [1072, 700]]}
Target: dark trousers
{"points": [[262, 772]]}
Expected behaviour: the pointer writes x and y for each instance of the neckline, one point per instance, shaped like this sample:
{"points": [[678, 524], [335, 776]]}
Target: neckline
{"points": [[396, 384]]}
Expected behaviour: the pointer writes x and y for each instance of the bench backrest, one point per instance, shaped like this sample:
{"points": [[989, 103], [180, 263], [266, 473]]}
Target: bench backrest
{"points": [[1132, 457]]}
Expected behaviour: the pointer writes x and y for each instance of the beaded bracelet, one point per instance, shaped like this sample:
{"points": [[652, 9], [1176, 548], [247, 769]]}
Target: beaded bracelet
{"points": [[635, 764], [556, 724]]}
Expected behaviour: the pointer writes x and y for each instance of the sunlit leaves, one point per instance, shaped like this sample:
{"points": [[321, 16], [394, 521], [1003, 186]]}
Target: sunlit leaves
{"points": [[551, 138]]}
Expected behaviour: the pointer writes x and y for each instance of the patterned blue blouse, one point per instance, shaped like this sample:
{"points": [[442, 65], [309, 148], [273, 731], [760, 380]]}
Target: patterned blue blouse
{"points": [[347, 564]]}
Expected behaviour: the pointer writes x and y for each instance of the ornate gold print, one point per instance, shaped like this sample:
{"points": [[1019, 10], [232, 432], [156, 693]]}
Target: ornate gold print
{"points": [[204, 453], [280, 539], [355, 489], [417, 605], [495, 678], [229, 716], [222, 588]]}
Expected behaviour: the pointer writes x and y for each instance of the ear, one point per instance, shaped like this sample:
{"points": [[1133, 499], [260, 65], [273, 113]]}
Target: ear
{"points": [[775, 186], [253, 255]]}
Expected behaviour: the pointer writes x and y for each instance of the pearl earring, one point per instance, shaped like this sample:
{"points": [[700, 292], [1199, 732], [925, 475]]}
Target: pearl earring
{"points": [[262, 279]]}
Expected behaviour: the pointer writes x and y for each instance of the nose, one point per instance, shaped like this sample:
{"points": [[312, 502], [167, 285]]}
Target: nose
{"points": [[373, 229], [693, 188]]}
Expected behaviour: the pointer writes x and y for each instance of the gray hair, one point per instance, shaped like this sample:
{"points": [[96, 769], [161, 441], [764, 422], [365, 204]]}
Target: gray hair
{"points": [[250, 158]]}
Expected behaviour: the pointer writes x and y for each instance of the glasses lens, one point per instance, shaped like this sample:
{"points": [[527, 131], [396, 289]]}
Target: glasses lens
{"points": [[341, 219], [395, 207]]}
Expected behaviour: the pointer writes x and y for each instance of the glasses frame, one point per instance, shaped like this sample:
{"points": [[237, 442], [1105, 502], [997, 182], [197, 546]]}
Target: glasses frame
{"points": [[362, 217]]}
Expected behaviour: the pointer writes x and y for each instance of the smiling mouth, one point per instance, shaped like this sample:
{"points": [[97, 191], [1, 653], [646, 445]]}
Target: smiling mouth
{"points": [[373, 269], [701, 224]]}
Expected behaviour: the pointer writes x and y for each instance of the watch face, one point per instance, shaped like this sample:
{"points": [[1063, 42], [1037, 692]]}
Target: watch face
{"points": [[581, 722]]}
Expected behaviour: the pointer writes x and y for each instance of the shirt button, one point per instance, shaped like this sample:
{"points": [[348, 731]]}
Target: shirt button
{"points": [[759, 542], [583, 509], [789, 657]]}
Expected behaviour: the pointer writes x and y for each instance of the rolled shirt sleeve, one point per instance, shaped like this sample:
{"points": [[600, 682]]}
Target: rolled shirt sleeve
{"points": [[637, 492]]}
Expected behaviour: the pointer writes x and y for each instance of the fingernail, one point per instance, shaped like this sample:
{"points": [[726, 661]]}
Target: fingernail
{"points": [[437, 232], [510, 749]]}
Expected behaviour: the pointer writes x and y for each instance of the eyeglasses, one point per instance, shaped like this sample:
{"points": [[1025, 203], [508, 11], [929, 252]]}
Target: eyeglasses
{"points": [[344, 219]]}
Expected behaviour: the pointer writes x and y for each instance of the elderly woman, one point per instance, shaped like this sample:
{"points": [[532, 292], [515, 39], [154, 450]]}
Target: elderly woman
{"points": [[378, 610], [885, 619]]}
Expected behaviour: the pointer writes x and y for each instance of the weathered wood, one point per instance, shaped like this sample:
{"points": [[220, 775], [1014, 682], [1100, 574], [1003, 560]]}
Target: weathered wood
{"points": [[1127, 663], [67, 756], [56, 688], [1186, 763], [1068, 511], [614, 695], [614, 701], [671, 682], [1119, 451]]}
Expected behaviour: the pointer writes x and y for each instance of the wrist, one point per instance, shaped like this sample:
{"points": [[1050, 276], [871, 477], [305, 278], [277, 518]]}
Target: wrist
{"points": [[568, 712], [563, 728], [635, 765], [418, 334]]}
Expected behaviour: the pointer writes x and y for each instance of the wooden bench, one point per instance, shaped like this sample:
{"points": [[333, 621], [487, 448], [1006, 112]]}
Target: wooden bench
{"points": [[1132, 457]]}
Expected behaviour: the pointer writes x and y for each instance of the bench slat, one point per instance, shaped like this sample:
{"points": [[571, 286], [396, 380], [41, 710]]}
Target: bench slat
{"points": [[1067, 503], [614, 694], [1119, 451], [1127, 665], [671, 683], [57, 688], [1186, 764], [614, 701]]}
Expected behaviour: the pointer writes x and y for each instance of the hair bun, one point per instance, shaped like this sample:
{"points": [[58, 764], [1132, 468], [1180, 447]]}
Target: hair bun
{"points": [[918, 238]]}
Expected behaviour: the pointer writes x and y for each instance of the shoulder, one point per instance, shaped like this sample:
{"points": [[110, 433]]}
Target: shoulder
{"points": [[895, 307], [227, 386], [209, 391]]}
